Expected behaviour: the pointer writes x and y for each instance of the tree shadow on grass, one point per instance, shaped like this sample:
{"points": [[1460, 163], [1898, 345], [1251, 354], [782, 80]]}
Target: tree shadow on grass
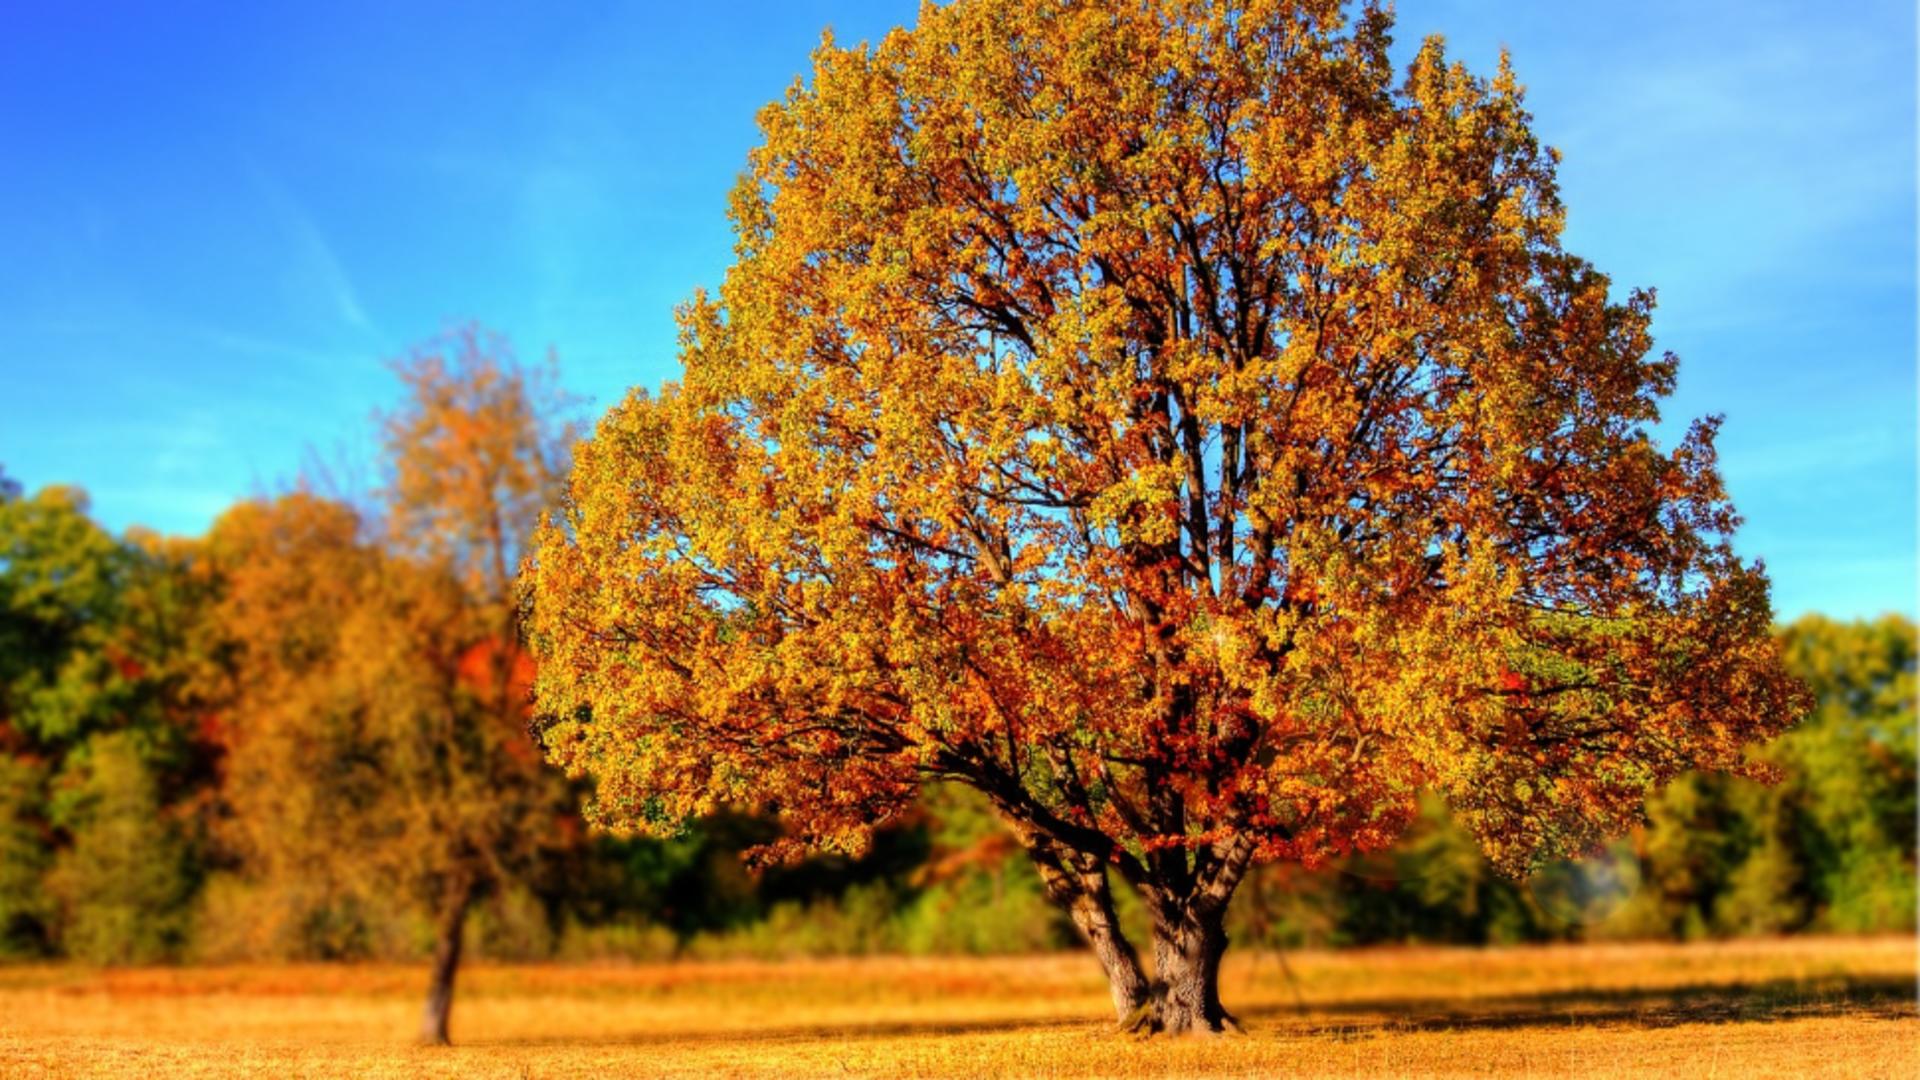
{"points": [[830, 1031], [1885, 998]]}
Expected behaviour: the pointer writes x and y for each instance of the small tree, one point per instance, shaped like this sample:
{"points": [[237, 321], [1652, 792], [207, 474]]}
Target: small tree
{"points": [[380, 688], [1162, 419], [476, 454], [125, 882]]}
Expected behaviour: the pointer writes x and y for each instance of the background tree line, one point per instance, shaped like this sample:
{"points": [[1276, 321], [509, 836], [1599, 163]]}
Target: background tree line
{"points": [[302, 736]]}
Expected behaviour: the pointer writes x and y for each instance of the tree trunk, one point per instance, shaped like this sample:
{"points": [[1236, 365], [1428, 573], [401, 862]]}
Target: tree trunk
{"points": [[1078, 884], [446, 963], [1188, 942], [1125, 981], [1189, 930]]}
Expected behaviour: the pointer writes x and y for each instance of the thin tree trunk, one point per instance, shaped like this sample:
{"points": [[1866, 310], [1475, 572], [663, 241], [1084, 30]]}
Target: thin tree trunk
{"points": [[1078, 884], [446, 964]]}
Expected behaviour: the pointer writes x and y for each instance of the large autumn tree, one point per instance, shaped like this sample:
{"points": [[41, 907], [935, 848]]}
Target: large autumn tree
{"points": [[1165, 418]]}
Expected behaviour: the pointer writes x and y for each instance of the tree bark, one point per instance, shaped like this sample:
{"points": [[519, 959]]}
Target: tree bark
{"points": [[446, 963], [1188, 942], [1189, 904], [1078, 884]]}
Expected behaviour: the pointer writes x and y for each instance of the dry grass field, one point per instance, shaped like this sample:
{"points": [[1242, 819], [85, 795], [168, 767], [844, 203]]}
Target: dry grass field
{"points": [[1798, 1008]]}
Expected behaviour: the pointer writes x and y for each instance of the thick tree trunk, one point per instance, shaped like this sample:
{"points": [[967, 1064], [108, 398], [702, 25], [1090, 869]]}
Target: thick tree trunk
{"points": [[1189, 933], [1188, 942], [1079, 886], [446, 963]]}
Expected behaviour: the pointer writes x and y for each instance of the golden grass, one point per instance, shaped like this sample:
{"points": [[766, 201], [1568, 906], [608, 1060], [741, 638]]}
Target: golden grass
{"points": [[1802, 1008]]}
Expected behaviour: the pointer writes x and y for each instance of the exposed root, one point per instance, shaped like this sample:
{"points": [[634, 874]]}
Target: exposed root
{"points": [[1144, 1020], [1150, 1018]]}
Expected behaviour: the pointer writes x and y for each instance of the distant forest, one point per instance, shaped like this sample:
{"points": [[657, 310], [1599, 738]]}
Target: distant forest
{"points": [[303, 736]]}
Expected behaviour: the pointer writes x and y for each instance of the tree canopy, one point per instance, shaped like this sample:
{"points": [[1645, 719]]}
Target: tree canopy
{"points": [[1169, 420]]}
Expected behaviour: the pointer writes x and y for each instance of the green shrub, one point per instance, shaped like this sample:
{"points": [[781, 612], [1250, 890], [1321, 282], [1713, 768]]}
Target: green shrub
{"points": [[125, 885]]}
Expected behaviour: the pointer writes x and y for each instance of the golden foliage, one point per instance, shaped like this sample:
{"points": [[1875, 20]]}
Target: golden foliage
{"points": [[1167, 420], [377, 689]]}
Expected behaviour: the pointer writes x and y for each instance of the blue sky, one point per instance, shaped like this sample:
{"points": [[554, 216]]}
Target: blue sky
{"points": [[218, 220]]}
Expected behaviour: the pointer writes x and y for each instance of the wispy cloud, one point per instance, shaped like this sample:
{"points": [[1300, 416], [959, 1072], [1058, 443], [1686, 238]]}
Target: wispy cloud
{"points": [[317, 254], [252, 345], [184, 446], [1870, 452]]}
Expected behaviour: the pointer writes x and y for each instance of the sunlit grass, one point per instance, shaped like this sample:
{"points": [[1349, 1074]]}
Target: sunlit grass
{"points": [[1788, 1008]]}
